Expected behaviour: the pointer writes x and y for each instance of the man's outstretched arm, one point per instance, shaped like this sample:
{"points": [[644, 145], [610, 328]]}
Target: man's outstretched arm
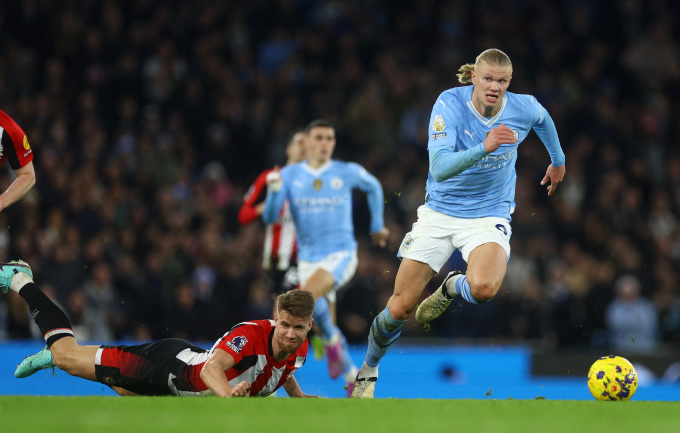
{"points": [[214, 378]]}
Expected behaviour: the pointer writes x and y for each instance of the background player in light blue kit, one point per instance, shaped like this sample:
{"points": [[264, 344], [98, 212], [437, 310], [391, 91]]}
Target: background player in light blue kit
{"points": [[474, 136], [319, 193]]}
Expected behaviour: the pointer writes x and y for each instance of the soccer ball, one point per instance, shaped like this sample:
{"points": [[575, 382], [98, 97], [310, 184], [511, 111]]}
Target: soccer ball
{"points": [[612, 378]]}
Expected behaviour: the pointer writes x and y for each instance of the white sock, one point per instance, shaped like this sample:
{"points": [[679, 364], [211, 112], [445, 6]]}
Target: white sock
{"points": [[367, 371], [19, 280], [351, 375], [451, 286]]}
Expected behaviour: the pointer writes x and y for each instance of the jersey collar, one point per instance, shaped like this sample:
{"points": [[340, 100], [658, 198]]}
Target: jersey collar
{"points": [[317, 171], [486, 121], [271, 347]]}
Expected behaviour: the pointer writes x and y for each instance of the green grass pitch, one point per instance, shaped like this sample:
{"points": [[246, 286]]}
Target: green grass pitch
{"points": [[281, 415]]}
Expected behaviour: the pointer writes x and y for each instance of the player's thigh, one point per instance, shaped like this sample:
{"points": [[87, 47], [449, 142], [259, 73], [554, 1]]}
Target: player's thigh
{"points": [[430, 240], [320, 282], [487, 265], [147, 369], [486, 248], [473, 233], [329, 274], [412, 278]]}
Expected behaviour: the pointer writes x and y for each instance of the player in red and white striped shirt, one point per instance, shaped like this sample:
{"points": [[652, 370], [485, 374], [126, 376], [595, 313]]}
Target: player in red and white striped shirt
{"points": [[253, 359], [14, 148], [279, 256]]}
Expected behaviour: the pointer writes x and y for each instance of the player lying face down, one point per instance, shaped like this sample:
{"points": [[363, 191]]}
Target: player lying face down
{"points": [[254, 358]]}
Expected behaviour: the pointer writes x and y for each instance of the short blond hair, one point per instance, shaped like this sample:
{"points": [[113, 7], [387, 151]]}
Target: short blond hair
{"points": [[492, 57], [298, 303]]}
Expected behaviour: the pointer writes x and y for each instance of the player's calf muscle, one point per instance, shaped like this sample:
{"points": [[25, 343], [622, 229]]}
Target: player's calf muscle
{"points": [[74, 359]]}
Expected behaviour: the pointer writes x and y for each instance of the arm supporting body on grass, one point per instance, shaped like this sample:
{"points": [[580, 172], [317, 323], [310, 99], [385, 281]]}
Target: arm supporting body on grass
{"points": [[214, 378]]}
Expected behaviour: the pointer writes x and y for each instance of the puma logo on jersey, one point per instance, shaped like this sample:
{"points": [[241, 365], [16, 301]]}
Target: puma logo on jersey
{"points": [[442, 102], [470, 134], [297, 183]]}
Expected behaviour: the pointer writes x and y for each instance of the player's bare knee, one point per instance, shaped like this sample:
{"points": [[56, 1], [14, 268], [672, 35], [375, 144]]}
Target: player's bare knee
{"points": [[398, 309], [405, 313], [483, 291]]}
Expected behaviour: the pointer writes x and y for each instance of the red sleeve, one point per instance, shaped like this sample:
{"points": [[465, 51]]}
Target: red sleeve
{"points": [[242, 340], [247, 213], [15, 147]]}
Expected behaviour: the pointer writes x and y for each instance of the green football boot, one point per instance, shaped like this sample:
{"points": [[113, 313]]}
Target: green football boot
{"points": [[8, 270], [34, 363]]}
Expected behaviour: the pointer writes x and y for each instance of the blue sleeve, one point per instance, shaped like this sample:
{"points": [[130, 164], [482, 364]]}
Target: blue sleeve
{"points": [[368, 183], [446, 163], [274, 202], [546, 131]]}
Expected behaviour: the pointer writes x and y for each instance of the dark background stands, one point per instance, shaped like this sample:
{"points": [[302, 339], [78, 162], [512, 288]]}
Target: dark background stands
{"points": [[150, 118]]}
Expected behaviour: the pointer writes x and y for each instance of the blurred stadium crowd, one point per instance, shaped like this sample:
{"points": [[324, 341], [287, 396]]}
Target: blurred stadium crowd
{"points": [[150, 119]]}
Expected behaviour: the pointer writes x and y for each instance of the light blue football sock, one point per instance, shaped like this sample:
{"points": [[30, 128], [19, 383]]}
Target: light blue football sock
{"points": [[322, 318], [385, 330], [463, 289]]}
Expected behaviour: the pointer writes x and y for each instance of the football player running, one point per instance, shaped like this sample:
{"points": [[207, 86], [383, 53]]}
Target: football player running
{"points": [[475, 132], [319, 193]]}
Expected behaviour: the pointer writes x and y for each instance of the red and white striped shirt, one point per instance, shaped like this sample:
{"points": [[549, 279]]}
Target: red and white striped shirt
{"points": [[280, 244], [250, 344], [13, 143]]}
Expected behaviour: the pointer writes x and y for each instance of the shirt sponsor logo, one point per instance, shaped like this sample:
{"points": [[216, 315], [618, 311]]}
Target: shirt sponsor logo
{"points": [[438, 124], [514, 132], [496, 161], [318, 201], [438, 136], [407, 241], [237, 343]]}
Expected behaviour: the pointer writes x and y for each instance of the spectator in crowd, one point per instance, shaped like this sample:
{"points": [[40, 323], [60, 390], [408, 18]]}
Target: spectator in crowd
{"points": [[130, 103], [631, 318]]}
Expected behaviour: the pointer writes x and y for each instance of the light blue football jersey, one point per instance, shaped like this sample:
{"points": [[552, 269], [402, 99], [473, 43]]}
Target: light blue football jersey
{"points": [[466, 182], [320, 202]]}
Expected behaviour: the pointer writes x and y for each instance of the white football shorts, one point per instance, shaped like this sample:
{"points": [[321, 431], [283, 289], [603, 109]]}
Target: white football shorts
{"points": [[435, 236], [342, 265]]}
